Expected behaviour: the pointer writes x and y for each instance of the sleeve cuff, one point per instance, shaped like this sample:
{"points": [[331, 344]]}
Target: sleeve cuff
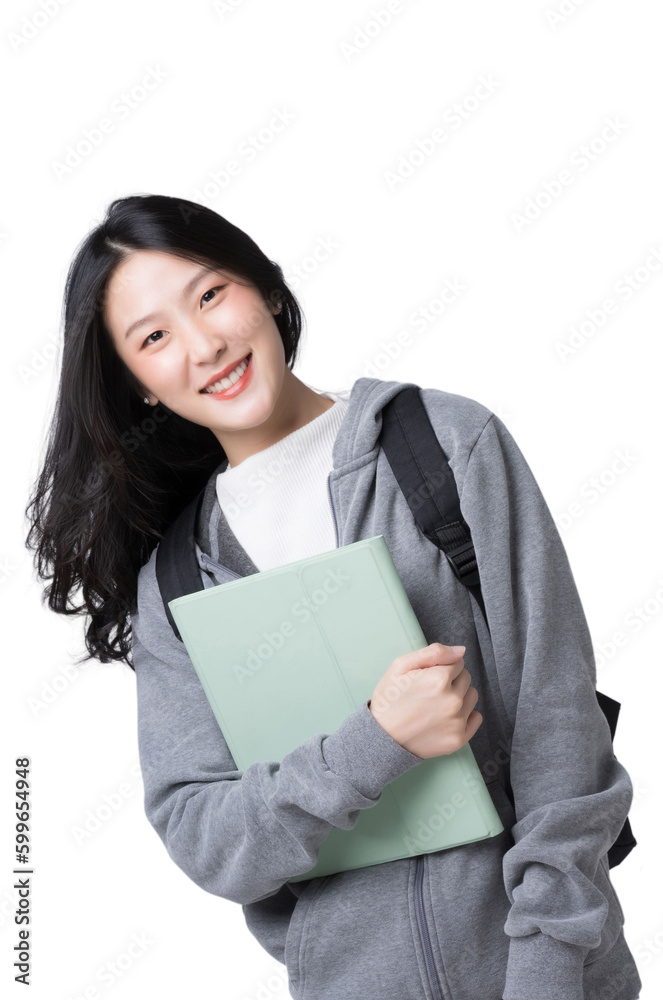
{"points": [[541, 967], [364, 753]]}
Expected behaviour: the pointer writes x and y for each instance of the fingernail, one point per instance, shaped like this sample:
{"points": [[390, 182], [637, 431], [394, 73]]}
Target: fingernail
{"points": [[458, 649]]}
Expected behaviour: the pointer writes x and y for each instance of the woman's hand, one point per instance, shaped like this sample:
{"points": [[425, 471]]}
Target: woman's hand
{"points": [[425, 701]]}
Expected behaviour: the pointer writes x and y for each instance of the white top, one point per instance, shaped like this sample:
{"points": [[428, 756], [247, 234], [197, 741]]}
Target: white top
{"points": [[276, 502]]}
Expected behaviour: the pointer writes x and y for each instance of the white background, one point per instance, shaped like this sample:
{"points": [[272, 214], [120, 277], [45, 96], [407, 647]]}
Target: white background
{"points": [[360, 105]]}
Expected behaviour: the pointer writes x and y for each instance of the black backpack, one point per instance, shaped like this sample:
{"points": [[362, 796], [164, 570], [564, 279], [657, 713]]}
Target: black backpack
{"points": [[405, 427]]}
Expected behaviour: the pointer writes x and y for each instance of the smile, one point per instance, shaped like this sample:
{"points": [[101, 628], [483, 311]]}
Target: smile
{"points": [[234, 382]]}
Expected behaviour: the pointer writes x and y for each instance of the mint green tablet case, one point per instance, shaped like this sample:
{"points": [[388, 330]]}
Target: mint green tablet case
{"points": [[290, 652]]}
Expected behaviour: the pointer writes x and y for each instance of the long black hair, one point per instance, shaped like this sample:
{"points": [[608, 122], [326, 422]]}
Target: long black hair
{"points": [[117, 472]]}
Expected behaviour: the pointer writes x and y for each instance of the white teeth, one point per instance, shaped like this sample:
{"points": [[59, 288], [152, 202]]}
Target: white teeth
{"points": [[225, 383]]}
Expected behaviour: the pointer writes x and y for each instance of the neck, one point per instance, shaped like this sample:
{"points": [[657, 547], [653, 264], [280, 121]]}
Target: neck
{"points": [[296, 406]]}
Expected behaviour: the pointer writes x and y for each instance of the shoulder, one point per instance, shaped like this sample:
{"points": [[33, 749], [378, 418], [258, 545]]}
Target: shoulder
{"points": [[461, 417], [149, 625], [459, 422]]}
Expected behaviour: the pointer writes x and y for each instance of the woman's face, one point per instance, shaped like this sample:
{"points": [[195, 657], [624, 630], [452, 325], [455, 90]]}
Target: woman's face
{"points": [[176, 326]]}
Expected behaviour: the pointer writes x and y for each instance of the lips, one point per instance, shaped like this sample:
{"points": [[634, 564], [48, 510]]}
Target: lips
{"points": [[224, 372]]}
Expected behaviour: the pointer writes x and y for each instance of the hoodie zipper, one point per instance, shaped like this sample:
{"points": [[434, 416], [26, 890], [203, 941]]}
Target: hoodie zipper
{"points": [[209, 563], [424, 932]]}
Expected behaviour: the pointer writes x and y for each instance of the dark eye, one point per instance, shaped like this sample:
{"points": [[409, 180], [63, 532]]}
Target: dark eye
{"points": [[147, 339], [215, 289]]}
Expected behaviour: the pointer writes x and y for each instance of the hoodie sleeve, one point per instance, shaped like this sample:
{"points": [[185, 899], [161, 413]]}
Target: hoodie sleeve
{"points": [[242, 835], [571, 794]]}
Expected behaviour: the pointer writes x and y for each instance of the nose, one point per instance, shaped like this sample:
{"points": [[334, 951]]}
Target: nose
{"points": [[203, 343]]}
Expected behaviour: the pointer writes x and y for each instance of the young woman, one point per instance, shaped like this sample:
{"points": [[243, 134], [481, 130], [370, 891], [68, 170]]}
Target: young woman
{"points": [[180, 340]]}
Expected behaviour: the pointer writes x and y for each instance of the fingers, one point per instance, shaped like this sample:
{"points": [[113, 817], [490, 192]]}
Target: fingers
{"points": [[436, 654], [473, 722]]}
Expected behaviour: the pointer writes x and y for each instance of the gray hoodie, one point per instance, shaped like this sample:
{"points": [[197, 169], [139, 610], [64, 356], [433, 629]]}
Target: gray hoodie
{"points": [[530, 914]]}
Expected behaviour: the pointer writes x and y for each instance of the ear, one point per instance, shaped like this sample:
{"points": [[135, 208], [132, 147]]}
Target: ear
{"points": [[139, 389]]}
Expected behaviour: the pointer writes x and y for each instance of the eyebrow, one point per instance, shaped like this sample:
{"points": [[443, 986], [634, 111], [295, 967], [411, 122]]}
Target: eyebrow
{"points": [[186, 291]]}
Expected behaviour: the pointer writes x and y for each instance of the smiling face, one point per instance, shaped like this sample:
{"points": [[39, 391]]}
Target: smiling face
{"points": [[196, 323]]}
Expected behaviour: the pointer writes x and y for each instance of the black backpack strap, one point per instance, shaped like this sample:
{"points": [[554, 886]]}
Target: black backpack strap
{"points": [[424, 475], [177, 568], [625, 841], [426, 479]]}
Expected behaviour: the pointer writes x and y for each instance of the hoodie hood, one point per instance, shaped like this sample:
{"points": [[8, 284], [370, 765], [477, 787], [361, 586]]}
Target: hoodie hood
{"points": [[359, 432]]}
